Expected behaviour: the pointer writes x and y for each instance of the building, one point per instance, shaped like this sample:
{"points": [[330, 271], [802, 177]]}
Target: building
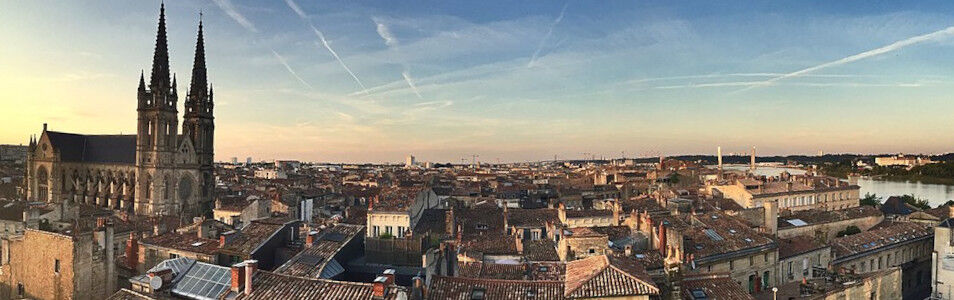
{"points": [[795, 193], [884, 284], [906, 245], [13, 152], [50, 265], [394, 212], [409, 161], [271, 174], [942, 262], [907, 161], [157, 171], [798, 257]]}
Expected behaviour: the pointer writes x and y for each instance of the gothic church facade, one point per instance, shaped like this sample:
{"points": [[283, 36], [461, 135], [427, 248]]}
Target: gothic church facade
{"points": [[157, 171]]}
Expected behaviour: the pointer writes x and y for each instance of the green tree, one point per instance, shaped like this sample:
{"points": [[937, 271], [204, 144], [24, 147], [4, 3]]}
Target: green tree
{"points": [[870, 200], [849, 231], [916, 202]]}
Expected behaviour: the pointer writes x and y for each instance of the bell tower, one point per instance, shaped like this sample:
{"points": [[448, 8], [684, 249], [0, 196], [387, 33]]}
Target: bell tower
{"points": [[157, 130]]}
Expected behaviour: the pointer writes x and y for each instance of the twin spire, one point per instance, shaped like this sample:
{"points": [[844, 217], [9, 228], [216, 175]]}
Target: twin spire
{"points": [[159, 80]]}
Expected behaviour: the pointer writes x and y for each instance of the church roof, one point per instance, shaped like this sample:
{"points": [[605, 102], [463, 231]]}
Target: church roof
{"points": [[120, 149]]}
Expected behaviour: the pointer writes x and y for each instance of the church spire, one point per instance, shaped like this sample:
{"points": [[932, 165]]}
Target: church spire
{"points": [[199, 80], [142, 80], [160, 61]]}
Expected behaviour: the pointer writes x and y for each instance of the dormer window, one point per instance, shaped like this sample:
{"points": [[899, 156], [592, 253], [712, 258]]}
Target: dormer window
{"points": [[482, 227], [478, 293]]}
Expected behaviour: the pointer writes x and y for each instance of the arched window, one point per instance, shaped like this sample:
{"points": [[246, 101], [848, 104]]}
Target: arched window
{"points": [[167, 191], [42, 184], [147, 187]]}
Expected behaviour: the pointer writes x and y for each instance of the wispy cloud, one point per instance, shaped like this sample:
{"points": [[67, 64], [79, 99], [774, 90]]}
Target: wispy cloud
{"points": [[863, 55], [229, 9], [323, 42], [809, 84], [391, 41], [290, 70], [543, 41], [385, 34]]}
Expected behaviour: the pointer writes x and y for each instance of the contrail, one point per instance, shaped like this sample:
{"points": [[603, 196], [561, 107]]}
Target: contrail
{"points": [[290, 70], [391, 41], [410, 83], [863, 55], [324, 42], [229, 9], [559, 18]]}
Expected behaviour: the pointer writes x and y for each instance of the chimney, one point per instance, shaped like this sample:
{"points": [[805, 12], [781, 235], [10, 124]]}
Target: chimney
{"points": [[250, 267], [225, 238], [389, 274], [310, 239], [132, 252], [379, 288], [629, 250], [417, 288], [44, 127], [238, 271], [110, 257]]}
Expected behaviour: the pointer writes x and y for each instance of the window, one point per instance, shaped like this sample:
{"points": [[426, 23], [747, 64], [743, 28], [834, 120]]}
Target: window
{"points": [[388, 230], [20, 289], [376, 230], [482, 227], [731, 265], [592, 251], [56, 266], [477, 294], [173, 255], [765, 257], [400, 230]]}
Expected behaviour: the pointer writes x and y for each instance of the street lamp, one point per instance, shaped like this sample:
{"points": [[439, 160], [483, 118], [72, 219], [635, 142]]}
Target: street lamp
{"points": [[774, 293]]}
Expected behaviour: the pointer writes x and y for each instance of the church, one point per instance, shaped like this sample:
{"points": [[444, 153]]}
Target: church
{"points": [[157, 171]]}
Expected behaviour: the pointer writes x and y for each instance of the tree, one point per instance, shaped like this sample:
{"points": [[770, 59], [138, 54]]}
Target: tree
{"points": [[948, 203], [870, 200], [849, 231], [916, 202]]}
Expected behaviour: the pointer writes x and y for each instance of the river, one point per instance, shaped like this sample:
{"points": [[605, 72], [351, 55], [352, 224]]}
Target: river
{"points": [[936, 194]]}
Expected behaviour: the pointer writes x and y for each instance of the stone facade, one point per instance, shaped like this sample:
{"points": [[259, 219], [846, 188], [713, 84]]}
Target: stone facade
{"points": [[158, 171], [74, 266]]}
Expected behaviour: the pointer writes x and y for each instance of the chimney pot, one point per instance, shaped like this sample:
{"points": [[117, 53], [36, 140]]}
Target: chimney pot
{"points": [[250, 267], [237, 277], [379, 288]]}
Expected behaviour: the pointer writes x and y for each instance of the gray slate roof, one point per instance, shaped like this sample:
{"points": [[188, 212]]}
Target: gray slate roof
{"points": [[118, 149]]}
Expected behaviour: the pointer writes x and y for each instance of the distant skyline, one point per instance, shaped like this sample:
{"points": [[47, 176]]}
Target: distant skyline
{"points": [[352, 81]]}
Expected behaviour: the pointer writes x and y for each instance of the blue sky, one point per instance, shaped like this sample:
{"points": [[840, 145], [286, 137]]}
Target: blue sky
{"points": [[375, 81]]}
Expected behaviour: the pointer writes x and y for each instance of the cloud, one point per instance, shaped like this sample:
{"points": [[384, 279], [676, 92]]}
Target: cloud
{"points": [[290, 70], [410, 82], [230, 10], [863, 55], [385, 34], [556, 21]]}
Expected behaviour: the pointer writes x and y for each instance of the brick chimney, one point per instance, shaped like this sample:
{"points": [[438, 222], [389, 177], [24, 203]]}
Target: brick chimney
{"points": [[389, 274], [418, 289], [238, 277], [132, 251], [310, 239], [250, 267], [379, 288]]}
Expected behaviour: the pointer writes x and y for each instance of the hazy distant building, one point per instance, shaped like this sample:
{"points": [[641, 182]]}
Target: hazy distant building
{"points": [[157, 171], [234, 160], [248, 160], [903, 160], [410, 161], [13, 152]]}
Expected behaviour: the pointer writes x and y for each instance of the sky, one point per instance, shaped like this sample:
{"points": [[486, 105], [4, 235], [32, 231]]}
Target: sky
{"points": [[374, 81]]}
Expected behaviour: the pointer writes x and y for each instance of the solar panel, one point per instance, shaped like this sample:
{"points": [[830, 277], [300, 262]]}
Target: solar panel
{"points": [[204, 281]]}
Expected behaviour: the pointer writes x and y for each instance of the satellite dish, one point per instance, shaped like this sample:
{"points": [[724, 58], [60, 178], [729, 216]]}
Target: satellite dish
{"points": [[155, 283]]}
